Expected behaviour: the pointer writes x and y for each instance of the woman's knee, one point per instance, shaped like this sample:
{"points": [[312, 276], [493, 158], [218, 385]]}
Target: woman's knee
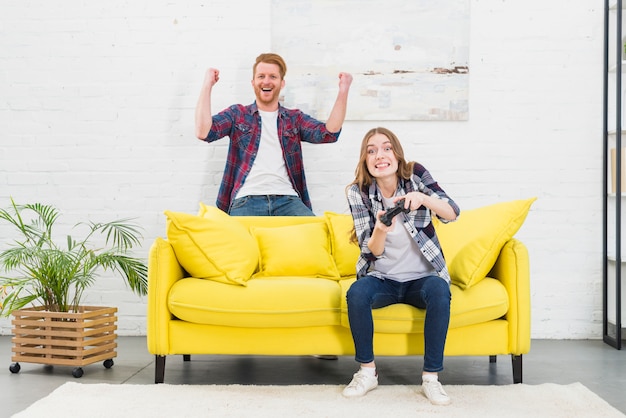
{"points": [[359, 292], [439, 290], [355, 292]]}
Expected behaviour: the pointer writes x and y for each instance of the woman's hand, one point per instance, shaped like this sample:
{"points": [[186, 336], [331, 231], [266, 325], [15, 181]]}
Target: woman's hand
{"points": [[376, 244], [380, 226], [412, 200], [441, 208]]}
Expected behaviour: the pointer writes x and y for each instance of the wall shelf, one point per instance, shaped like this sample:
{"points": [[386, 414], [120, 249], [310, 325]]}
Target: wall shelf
{"points": [[614, 256]]}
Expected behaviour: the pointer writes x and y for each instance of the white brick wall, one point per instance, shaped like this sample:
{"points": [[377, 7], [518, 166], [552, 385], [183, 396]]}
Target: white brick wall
{"points": [[96, 117]]}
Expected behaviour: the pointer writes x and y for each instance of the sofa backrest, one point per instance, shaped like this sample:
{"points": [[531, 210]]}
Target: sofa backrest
{"points": [[336, 227], [276, 221], [234, 248]]}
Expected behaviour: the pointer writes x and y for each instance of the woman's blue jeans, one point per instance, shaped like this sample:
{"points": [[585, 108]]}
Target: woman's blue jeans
{"points": [[431, 293], [269, 205]]}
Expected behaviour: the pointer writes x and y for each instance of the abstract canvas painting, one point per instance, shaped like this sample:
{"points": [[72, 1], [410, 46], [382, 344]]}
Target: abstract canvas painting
{"points": [[409, 59]]}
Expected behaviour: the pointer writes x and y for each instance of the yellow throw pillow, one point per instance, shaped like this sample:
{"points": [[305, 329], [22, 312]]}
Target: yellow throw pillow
{"points": [[473, 242], [213, 246], [205, 210], [295, 250], [345, 252]]}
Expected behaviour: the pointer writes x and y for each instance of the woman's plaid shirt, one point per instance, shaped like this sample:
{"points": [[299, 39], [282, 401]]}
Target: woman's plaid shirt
{"points": [[366, 202]]}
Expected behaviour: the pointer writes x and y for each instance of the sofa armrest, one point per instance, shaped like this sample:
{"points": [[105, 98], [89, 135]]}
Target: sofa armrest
{"points": [[163, 271], [512, 268]]}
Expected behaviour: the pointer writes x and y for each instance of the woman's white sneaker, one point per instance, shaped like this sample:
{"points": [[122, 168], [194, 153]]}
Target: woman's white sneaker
{"points": [[435, 393], [362, 382]]}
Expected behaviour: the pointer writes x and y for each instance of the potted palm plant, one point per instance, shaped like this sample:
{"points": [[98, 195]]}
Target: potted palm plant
{"points": [[46, 280]]}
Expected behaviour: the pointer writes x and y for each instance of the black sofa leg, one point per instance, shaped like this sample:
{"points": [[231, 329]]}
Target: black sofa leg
{"points": [[517, 368], [159, 369], [186, 357], [493, 359]]}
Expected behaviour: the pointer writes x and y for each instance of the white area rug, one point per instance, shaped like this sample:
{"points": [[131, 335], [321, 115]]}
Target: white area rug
{"points": [[173, 401]]}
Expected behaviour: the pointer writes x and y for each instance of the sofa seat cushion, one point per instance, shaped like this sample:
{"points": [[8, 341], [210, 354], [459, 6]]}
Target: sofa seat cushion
{"points": [[483, 302], [281, 302]]}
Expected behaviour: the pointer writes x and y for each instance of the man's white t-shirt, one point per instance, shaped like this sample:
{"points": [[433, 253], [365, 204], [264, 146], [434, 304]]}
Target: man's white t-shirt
{"points": [[268, 174]]}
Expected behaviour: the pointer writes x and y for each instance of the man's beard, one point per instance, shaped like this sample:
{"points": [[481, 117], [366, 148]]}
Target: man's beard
{"points": [[262, 97]]}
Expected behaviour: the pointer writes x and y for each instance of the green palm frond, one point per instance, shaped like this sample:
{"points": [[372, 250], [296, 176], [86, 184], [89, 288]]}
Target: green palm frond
{"points": [[56, 276]]}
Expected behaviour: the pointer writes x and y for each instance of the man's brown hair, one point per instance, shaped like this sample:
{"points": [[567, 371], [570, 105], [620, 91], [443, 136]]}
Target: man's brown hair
{"points": [[271, 58]]}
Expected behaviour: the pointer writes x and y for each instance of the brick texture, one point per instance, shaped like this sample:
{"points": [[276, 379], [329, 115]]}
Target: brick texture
{"points": [[97, 109]]}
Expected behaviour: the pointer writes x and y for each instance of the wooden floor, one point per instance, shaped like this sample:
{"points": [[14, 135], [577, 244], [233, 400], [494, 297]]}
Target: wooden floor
{"points": [[593, 363]]}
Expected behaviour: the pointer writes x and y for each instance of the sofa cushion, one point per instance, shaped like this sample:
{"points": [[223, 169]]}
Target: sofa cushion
{"points": [[232, 258], [472, 243], [277, 221], [345, 253], [295, 250], [281, 302], [483, 302]]}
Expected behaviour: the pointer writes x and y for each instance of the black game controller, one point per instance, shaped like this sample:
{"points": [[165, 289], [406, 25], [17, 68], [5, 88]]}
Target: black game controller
{"points": [[391, 212]]}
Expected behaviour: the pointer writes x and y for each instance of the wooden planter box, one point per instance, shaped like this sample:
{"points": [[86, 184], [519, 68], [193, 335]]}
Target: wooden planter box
{"points": [[64, 338]]}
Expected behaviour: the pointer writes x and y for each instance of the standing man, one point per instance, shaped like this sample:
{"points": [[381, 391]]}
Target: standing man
{"points": [[264, 173]]}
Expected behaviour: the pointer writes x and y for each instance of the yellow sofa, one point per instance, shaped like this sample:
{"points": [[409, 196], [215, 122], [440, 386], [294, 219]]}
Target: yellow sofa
{"points": [[277, 286]]}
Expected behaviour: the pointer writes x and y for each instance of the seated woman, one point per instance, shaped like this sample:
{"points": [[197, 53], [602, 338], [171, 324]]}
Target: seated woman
{"points": [[399, 263]]}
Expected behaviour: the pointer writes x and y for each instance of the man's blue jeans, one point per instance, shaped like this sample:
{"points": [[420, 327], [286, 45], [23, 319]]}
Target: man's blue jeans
{"points": [[269, 205], [431, 293]]}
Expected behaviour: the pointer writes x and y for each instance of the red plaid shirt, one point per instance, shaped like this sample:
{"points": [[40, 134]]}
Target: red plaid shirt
{"points": [[242, 124]]}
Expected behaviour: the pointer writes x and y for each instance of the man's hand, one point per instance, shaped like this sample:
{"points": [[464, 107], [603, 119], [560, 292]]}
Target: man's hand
{"points": [[203, 107], [345, 79], [211, 77], [338, 112]]}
